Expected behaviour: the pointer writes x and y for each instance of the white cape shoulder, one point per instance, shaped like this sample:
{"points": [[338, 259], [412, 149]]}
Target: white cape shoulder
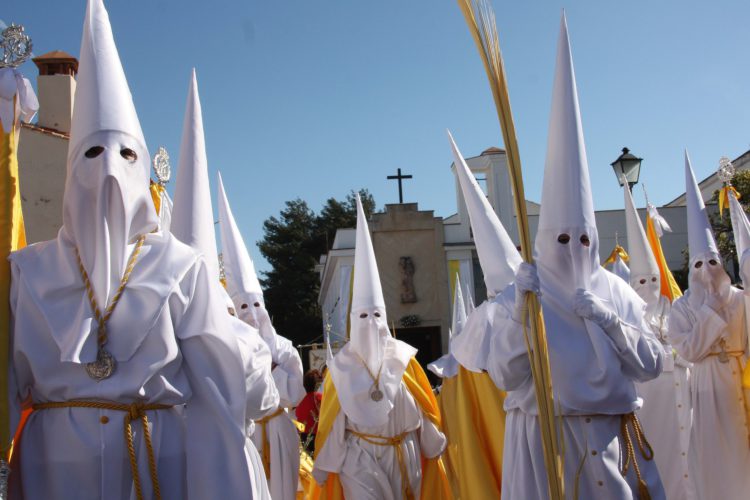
{"points": [[48, 274]]}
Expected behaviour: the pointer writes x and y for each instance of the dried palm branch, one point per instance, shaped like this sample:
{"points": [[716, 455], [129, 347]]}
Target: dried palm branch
{"points": [[481, 21]]}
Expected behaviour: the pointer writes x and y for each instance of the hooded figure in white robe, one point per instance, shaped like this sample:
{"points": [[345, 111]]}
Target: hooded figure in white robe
{"points": [[599, 341], [275, 435], [194, 225], [707, 328], [168, 356], [380, 434], [666, 411], [499, 259], [474, 419]]}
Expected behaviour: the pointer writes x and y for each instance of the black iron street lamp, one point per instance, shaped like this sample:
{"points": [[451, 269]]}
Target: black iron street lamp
{"points": [[627, 168]]}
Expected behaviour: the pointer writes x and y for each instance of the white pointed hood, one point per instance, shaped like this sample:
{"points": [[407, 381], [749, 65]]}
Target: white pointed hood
{"points": [[741, 229], [447, 365], [706, 274], [107, 203], [459, 311], [740, 226], [497, 253], [367, 299], [469, 301], [700, 235], [242, 281], [103, 100], [372, 358], [192, 213], [566, 191], [621, 269], [643, 264], [582, 356], [567, 205]]}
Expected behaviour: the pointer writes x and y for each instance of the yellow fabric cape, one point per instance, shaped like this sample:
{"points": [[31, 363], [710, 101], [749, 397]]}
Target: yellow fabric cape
{"points": [[305, 474], [474, 423], [448, 403], [434, 480], [12, 237], [669, 287]]}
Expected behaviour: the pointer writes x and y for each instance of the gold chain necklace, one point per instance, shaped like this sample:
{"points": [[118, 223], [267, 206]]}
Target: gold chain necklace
{"points": [[376, 394], [105, 363]]}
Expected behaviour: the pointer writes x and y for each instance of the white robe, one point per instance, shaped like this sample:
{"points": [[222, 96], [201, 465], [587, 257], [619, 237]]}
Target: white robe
{"points": [[173, 344], [282, 434], [369, 471], [666, 415], [593, 382], [257, 357], [719, 453]]}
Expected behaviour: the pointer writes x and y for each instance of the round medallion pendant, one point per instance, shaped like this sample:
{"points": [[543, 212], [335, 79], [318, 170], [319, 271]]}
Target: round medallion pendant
{"points": [[376, 395], [103, 367]]}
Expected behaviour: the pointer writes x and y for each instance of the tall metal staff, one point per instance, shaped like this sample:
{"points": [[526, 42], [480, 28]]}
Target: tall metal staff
{"points": [[481, 21], [17, 102]]}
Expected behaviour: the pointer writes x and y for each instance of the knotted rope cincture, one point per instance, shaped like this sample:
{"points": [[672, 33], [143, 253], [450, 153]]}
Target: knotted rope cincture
{"points": [[394, 441], [133, 411], [627, 422]]}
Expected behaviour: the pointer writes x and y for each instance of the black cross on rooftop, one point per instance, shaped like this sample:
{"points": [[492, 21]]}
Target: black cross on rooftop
{"points": [[400, 177]]}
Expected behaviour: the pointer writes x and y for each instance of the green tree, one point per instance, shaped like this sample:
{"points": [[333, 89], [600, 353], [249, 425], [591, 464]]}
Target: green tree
{"points": [[292, 244]]}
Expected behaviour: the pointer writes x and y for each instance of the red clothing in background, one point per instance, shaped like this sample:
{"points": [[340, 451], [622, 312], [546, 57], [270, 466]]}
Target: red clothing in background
{"points": [[307, 411]]}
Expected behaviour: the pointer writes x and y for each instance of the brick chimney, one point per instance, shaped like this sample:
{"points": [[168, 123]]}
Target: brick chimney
{"points": [[56, 87]]}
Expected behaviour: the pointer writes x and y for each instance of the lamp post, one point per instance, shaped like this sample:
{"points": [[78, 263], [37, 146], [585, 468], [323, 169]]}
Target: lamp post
{"points": [[627, 168]]}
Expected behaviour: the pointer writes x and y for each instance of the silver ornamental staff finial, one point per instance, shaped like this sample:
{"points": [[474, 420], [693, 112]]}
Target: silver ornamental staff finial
{"points": [[726, 170], [162, 169], [16, 46]]}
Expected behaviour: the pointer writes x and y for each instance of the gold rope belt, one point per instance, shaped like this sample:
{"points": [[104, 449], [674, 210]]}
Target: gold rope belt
{"points": [[133, 411], [394, 441], [731, 354], [265, 454], [627, 422]]}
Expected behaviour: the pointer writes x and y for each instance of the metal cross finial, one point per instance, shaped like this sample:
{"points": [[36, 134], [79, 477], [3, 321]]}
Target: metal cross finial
{"points": [[400, 177], [15, 45], [726, 170], [162, 169]]}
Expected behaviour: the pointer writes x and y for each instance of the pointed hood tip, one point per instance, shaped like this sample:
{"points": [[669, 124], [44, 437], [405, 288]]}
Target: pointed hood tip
{"points": [[642, 259], [700, 234], [193, 217], [498, 255], [459, 310], [103, 100], [242, 279], [367, 290], [566, 187]]}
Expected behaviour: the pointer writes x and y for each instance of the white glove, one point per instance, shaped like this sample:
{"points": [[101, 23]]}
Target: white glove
{"points": [[527, 280], [590, 307], [320, 476]]}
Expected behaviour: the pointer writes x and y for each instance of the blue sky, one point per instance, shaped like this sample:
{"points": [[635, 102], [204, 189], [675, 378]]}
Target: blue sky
{"points": [[313, 98]]}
